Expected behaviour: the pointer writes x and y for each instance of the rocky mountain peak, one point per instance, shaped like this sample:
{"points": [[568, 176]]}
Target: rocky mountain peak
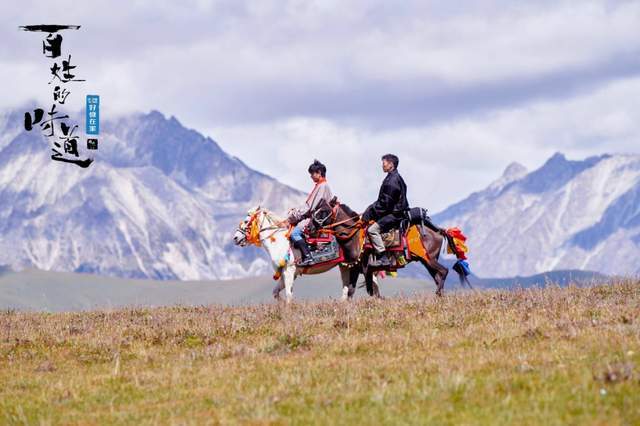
{"points": [[161, 201], [514, 170], [567, 214]]}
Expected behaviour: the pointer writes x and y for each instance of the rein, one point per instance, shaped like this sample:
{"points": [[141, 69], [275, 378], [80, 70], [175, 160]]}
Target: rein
{"points": [[358, 225]]}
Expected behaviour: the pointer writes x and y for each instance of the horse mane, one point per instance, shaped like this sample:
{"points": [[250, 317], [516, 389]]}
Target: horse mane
{"points": [[271, 215], [348, 210]]}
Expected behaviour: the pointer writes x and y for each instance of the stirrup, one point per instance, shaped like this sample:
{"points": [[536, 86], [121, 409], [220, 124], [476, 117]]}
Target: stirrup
{"points": [[305, 262]]}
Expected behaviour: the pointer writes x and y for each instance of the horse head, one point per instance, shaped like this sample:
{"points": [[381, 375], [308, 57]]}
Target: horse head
{"points": [[257, 221], [242, 236]]}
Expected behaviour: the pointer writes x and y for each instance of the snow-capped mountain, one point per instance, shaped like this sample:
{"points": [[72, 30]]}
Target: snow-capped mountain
{"points": [[565, 215], [160, 201]]}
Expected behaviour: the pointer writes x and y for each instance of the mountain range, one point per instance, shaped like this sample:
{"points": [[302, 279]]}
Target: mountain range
{"points": [[161, 202], [567, 214]]}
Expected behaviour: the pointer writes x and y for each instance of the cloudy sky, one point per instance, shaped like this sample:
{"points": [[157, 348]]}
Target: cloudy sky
{"points": [[456, 91]]}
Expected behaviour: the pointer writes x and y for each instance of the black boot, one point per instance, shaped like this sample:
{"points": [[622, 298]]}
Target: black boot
{"points": [[304, 251]]}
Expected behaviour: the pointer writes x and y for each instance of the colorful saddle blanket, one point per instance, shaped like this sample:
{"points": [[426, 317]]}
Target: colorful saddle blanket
{"points": [[324, 248]]}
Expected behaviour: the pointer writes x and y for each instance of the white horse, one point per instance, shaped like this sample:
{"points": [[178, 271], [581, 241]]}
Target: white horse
{"points": [[260, 228]]}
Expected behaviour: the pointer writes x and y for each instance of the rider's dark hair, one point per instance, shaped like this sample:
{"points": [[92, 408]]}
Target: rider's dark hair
{"points": [[392, 158], [318, 167]]}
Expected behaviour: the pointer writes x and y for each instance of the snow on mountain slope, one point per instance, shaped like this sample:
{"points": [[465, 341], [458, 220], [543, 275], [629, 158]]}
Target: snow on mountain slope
{"points": [[160, 201], [565, 215]]}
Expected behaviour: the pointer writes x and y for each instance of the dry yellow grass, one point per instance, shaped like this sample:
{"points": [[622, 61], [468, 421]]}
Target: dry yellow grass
{"points": [[551, 356]]}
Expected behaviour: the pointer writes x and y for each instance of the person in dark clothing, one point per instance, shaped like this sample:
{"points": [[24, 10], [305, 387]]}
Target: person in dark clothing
{"points": [[388, 210]]}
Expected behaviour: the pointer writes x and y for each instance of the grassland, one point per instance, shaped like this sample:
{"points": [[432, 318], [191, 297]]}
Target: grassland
{"points": [[544, 356]]}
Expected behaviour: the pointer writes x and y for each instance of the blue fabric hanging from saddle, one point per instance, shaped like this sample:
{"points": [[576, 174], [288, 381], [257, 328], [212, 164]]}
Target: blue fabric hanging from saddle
{"points": [[463, 270], [462, 266]]}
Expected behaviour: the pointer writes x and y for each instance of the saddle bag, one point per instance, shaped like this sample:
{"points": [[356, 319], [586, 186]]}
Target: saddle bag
{"points": [[420, 216], [417, 215]]}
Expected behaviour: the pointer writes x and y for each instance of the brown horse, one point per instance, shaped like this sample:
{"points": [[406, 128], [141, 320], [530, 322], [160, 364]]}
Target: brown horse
{"points": [[346, 225]]}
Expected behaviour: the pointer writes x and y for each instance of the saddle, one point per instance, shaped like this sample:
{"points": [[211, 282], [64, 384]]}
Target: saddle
{"points": [[407, 234], [402, 243], [394, 240]]}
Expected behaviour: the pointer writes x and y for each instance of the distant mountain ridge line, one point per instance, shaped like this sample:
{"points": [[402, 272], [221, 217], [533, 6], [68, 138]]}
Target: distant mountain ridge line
{"points": [[162, 200], [569, 213], [35, 290]]}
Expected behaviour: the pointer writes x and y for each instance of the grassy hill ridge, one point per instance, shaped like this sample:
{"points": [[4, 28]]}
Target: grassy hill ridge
{"points": [[531, 356], [36, 290]]}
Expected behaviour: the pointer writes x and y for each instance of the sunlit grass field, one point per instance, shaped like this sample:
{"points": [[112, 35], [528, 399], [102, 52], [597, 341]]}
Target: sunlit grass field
{"points": [[542, 356]]}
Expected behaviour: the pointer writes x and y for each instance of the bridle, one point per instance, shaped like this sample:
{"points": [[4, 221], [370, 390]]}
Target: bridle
{"points": [[322, 220], [254, 227]]}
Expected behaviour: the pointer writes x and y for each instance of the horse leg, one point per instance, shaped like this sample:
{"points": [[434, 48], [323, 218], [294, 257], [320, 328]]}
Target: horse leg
{"points": [[372, 285], [376, 289], [368, 280], [345, 275], [278, 288], [288, 276], [354, 273], [438, 272], [433, 242]]}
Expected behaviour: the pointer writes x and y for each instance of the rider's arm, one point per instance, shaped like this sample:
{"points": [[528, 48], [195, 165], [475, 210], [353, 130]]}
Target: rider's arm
{"points": [[296, 215]]}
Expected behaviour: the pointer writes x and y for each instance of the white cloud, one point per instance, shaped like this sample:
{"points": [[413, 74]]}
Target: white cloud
{"points": [[457, 91], [442, 162], [259, 61]]}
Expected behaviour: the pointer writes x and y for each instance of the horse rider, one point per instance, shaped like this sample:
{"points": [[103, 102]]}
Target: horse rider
{"points": [[300, 217], [388, 210]]}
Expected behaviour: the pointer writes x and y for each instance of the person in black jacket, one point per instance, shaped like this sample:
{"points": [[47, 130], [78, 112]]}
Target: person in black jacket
{"points": [[388, 210]]}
